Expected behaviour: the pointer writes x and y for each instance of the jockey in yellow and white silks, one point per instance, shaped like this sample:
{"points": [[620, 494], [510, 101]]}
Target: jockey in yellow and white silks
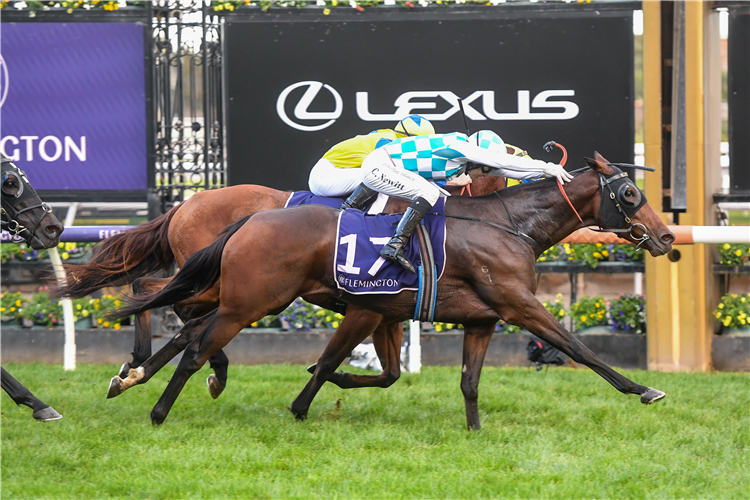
{"points": [[411, 168], [338, 172]]}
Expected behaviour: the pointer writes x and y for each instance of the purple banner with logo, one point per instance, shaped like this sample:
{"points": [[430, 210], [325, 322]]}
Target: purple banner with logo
{"points": [[74, 104]]}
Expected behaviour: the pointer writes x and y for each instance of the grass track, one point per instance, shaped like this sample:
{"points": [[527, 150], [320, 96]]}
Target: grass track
{"points": [[563, 433]]}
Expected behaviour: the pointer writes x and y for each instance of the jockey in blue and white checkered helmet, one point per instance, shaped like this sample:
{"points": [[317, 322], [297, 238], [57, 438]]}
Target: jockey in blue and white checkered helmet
{"points": [[412, 168]]}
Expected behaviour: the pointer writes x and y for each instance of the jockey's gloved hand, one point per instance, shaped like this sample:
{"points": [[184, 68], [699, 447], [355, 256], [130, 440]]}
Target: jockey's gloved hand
{"points": [[555, 170], [461, 180]]}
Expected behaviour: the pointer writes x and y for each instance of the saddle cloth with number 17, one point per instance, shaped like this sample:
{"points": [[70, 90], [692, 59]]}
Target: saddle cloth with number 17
{"points": [[358, 266]]}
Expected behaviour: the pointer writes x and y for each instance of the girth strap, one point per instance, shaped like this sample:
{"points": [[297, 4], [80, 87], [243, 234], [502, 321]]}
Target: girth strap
{"points": [[427, 293]]}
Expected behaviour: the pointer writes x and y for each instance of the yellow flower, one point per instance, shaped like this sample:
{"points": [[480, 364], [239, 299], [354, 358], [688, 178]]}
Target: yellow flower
{"points": [[18, 303], [605, 253], [738, 253], [229, 6], [726, 246], [85, 313], [449, 325], [99, 321], [70, 246], [598, 245], [597, 305], [254, 324], [558, 296], [326, 12], [567, 250], [2, 309], [566, 245], [597, 255], [561, 313], [117, 326], [743, 321], [438, 328], [334, 3], [721, 306], [335, 324], [583, 318], [718, 315], [105, 324], [12, 309], [742, 299], [65, 255], [61, 245], [117, 303]]}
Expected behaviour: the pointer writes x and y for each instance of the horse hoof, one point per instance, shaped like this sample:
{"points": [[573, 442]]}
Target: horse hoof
{"points": [[124, 370], [157, 419], [46, 415], [301, 416], [214, 386], [311, 368], [651, 396], [115, 387]]}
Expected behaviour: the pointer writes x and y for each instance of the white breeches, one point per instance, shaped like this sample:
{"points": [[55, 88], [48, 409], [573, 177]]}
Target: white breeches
{"points": [[327, 180], [380, 174]]}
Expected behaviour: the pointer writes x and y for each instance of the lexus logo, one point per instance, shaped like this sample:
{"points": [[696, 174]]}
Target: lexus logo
{"points": [[3, 81], [541, 107], [301, 109]]}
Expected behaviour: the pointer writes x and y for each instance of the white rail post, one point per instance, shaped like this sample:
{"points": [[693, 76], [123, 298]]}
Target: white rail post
{"points": [[415, 348], [69, 356]]}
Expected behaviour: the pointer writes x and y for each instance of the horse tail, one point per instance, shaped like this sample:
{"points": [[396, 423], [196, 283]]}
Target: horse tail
{"points": [[200, 272], [122, 259]]}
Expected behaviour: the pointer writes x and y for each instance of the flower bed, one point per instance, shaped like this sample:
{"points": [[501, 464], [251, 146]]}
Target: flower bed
{"points": [[733, 311], [19, 252], [591, 254], [734, 255]]}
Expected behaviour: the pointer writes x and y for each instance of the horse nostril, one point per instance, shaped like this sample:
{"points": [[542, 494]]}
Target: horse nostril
{"points": [[53, 230], [668, 238]]}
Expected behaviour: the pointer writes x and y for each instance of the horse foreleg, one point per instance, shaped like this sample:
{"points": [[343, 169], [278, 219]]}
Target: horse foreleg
{"points": [[476, 341], [532, 315], [22, 396], [177, 344], [357, 325], [387, 342]]}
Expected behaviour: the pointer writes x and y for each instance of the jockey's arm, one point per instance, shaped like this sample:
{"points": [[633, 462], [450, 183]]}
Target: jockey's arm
{"points": [[515, 167]]}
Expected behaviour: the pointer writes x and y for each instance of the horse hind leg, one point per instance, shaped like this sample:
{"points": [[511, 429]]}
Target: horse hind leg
{"points": [[219, 362], [142, 341], [177, 344], [387, 342], [220, 330], [357, 325]]}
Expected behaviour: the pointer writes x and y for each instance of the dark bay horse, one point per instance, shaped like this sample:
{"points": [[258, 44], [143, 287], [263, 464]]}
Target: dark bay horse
{"points": [[172, 238], [23, 209], [278, 255]]}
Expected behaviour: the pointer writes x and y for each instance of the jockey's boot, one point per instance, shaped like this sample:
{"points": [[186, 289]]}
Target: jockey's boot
{"points": [[394, 249], [359, 198]]}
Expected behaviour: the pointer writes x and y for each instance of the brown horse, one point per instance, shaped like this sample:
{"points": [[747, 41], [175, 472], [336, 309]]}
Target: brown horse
{"points": [[489, 275], [23, 209], [172, 238]]}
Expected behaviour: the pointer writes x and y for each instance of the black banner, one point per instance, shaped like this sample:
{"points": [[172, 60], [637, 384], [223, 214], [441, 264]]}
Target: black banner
{"points": [[296, 85]]}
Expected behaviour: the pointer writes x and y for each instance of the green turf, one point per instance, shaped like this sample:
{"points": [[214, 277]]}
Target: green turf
{"points": [[561, 433]]}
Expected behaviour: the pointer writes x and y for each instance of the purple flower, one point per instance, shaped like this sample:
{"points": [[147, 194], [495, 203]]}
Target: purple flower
{"points": [[622, 312]]}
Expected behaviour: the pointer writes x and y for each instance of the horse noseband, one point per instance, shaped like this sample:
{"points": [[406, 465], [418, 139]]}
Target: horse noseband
{"points": [[620, 211]]}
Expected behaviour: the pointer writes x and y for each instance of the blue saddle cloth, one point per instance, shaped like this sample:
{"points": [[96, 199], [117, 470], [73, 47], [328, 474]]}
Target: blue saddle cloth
{"points": [[307, 198], [358, 267]]}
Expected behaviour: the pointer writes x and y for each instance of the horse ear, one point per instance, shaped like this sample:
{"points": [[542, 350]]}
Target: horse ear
{"points": [[600, 164]]}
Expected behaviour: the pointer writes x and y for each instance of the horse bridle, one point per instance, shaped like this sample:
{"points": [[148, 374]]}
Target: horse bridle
{"points": [[10, 201], [612, 216]]}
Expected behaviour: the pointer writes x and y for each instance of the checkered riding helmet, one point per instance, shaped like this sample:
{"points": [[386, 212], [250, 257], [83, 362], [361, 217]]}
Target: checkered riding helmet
{"points": [[487, 139]]}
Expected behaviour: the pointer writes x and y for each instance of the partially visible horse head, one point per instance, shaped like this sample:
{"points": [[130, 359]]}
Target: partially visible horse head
{"points": [[23, 212], [623, 207]]}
